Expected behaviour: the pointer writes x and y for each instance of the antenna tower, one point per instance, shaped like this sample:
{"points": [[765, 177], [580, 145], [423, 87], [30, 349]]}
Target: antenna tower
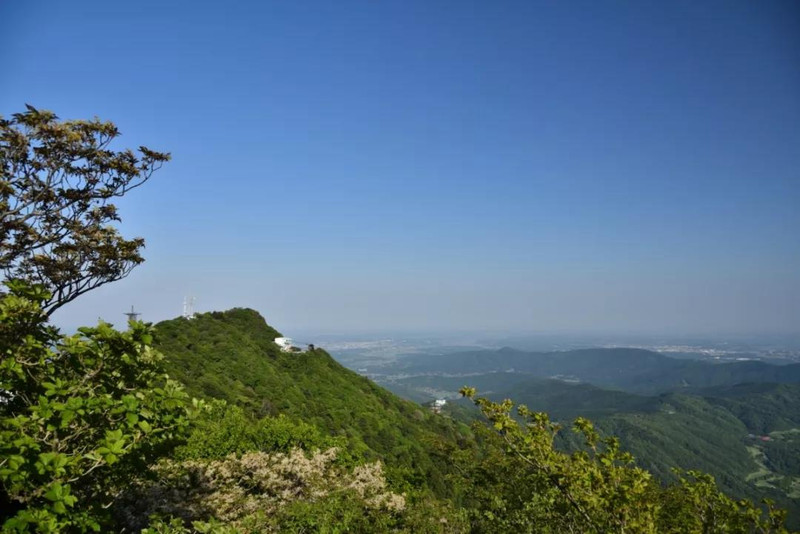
{"points": [[132, 315], [188, 307]]}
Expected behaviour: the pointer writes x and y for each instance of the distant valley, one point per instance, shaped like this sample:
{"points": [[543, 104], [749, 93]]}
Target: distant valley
{"points": [[632, 370], [738, 420]]}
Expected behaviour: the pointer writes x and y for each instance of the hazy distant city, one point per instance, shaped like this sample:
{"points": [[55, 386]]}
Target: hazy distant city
{"points": [[371, 354]]}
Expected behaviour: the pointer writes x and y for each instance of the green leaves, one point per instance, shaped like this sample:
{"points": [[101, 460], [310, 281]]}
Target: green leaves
{"points": [[59, 496], [52, 463], [82, 418], [76, 412], [468, 392], [523, 480], [113, 446]]}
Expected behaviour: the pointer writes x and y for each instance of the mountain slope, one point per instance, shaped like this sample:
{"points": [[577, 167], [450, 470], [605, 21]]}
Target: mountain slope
{"points": [[747, 435], [232, 356], [561, 400], [762, 407]]}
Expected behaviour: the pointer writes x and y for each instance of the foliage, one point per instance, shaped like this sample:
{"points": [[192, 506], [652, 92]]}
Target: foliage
{"points": [[695, 504], [81, 414], [176, 526], [524, 484], [263, 492], [57, 180], [708, 434], [784, 454], [687, 432], [762, 407], [693, 429], [224, 430], [295, 441], [231, 355]]}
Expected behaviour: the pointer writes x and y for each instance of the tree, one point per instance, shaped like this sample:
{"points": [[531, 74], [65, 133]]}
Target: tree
{"points": [[80, 415], [57, 183], [522, 483]]}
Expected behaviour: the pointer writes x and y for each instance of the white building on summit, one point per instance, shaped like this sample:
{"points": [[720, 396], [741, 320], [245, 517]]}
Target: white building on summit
{"points": [[437, 405], [284, 343]]}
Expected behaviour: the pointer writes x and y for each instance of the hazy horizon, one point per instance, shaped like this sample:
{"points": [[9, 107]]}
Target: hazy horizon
{"points": [[471, 166]]}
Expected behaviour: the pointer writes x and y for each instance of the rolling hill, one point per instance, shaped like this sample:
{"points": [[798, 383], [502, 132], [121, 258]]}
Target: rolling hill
{"points": [[232, 356], [746, 435], [632, 370], [708, 424]]}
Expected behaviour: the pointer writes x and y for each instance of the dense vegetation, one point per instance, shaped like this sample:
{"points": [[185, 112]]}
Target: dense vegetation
{"points": [[745, 435], [81, 415], [96, 436], [231, 356]]}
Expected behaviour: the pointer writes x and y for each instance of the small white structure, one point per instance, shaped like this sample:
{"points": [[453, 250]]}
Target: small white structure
{"points": [[437, 406], [284, 343]]}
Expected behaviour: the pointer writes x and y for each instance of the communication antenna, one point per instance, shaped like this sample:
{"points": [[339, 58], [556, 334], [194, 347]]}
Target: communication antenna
{"points": [[132, 315], [188, 307]]}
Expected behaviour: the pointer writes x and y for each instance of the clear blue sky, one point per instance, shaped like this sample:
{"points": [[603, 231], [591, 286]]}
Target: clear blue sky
{"points": [[626, 166]]}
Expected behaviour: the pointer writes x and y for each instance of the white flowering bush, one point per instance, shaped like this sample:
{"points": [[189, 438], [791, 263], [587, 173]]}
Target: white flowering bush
{"points": [[258, 491]]}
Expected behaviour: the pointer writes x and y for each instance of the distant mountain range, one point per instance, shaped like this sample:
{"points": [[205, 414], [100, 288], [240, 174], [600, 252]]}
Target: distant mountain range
{"points": [[632, 370], [738, 421]]}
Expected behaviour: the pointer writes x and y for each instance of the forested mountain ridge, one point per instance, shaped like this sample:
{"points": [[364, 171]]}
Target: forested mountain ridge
{"points": [[633, 370], [743, 443], [746, 435], [294, 448], [232, 356]]}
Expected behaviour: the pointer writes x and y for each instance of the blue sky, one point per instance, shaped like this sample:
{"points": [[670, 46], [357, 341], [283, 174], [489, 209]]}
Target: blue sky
{"points": [[539, 166]]}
